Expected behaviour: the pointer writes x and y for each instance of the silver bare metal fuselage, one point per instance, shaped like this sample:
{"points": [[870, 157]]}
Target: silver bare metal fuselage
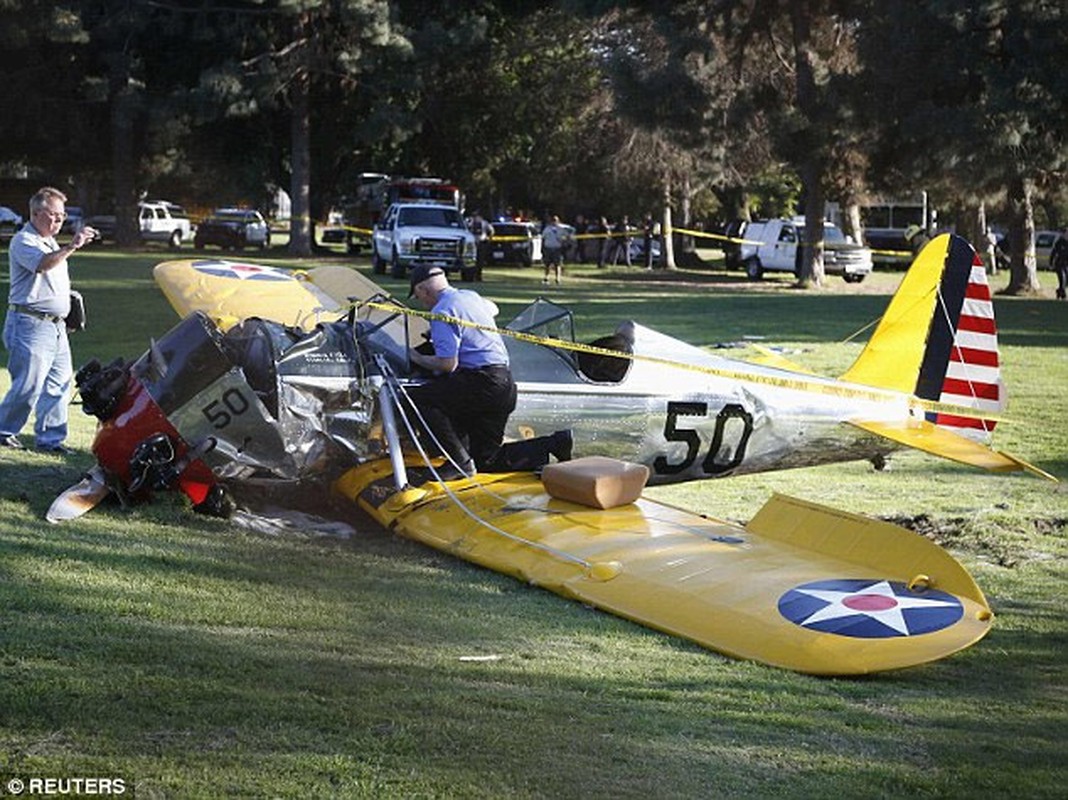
{"points": [[689, 423]]}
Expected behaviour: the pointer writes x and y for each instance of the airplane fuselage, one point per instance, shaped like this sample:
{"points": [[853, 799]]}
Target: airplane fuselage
{"points": [[690, 422]]}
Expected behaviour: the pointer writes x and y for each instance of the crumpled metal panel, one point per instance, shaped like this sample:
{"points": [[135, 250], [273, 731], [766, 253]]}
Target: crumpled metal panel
{"points": [[309, 410]]}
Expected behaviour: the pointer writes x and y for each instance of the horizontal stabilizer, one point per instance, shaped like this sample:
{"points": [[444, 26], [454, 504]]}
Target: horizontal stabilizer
{"points": [[770, 358], [928, 437]]}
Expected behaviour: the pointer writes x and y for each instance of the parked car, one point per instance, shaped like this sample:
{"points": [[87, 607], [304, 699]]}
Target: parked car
{"points": [[637, 250], [781, 242], [233, 229], [514, 243], [161, 221], [1044, 241], [333, 232], [10, 222]]}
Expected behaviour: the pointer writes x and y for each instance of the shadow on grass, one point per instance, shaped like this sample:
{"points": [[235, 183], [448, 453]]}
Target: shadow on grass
{"points": [[238, 653]]}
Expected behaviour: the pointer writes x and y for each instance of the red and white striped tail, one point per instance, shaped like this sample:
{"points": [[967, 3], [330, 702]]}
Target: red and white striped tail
{"points": [[973, 374]]}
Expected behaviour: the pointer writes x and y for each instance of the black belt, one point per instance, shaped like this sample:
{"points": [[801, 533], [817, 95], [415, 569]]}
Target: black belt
{"points": [[33, 312], [487, 368]]}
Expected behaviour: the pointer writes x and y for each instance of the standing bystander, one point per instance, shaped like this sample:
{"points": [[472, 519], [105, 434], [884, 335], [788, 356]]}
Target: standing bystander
{"points": [[623, 239], [581, 227], [1058, 259], [483, 232], [991, 251], [35, 332], [553, 239], [603, 230], [648, 234]]}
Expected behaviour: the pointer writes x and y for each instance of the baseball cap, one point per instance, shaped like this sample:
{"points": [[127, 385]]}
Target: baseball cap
{"points": [[420, 272]]}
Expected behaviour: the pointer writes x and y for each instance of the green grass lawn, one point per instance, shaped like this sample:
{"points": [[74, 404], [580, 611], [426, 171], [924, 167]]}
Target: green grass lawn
{"points": [[194, 658]]}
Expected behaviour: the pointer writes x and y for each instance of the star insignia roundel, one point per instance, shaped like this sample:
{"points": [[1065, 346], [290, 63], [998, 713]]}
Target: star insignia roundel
{"points": [[243, 272], [869, 609]]}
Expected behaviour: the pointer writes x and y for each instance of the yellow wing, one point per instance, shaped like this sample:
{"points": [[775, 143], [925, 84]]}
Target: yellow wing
{"points": [[229, 292], [801, 586]]}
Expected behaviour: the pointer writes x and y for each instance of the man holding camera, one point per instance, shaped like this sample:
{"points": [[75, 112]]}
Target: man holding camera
{"points": [[35, 329]]}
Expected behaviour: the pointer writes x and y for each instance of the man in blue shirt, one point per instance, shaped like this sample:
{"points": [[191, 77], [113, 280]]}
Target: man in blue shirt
{"points": [[467, 405], [35, 333]]}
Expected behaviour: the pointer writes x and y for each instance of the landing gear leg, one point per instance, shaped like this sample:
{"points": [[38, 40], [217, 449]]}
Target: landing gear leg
{"points": [[881, 463]]}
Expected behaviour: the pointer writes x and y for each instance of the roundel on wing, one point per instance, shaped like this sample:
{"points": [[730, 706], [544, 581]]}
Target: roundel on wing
{"points": [[242, 272], [869, 609]]}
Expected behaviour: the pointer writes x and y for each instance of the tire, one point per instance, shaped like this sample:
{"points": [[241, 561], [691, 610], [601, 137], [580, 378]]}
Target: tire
{"points": [[378, 266], [468, 274], [753, 268], [396, 268], [174, 241], [852, 278], [266, 241]]}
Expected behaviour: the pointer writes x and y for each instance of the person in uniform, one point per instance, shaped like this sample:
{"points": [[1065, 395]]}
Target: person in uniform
{"points": [[468, 401]]}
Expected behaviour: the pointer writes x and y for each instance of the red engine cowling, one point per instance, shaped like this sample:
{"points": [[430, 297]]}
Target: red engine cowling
{"points": [[136, 420]]}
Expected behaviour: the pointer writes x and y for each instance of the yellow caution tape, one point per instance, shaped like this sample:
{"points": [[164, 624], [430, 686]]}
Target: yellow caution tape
{"points": [[706, 235], [354, 229], [799, 384], [634, 234]]}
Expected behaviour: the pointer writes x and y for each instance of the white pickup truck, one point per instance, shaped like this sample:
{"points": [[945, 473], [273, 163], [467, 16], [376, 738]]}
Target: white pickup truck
{"points": [[773, 246], [423, 233], [161, 221]]}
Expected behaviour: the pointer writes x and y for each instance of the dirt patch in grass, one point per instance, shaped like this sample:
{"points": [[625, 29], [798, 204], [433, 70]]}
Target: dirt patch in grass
{"points": [[1003, 542]]}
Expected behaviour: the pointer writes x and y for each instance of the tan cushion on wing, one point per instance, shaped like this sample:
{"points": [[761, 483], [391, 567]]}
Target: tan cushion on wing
{"points": [[595, 481]]}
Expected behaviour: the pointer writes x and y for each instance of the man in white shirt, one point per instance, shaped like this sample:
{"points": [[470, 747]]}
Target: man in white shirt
{"points": [[35, 331]]}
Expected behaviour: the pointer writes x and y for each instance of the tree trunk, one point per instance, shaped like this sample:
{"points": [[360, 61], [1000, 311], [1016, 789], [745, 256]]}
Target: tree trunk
{"points": [[851, 222], [686, 242], [300, 227], [812, 253], [687, 256], [123, 154], [1023, 266], [667, 245], [811, 167]]}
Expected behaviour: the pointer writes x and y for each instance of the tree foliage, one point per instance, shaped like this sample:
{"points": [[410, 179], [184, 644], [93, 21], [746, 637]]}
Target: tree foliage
{"points": [[971, 105], [723, 106]]}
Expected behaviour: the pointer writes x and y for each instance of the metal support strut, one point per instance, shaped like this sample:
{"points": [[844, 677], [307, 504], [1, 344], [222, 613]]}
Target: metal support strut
{"points": [[389, 425]]}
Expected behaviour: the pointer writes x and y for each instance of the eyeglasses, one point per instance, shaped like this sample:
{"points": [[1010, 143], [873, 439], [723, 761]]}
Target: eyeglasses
{"points": [[55, 216]]}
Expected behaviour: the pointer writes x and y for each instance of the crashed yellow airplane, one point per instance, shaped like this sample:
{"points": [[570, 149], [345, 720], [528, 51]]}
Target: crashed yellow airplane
{"points": [[277, 378]]}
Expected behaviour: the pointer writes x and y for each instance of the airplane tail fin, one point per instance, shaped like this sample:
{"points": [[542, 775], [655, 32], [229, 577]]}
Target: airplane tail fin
{"points": [[938, 340]]}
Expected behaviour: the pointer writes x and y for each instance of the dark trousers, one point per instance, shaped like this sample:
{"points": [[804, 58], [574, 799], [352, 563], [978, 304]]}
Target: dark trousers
{"points": [[467, 411]]}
